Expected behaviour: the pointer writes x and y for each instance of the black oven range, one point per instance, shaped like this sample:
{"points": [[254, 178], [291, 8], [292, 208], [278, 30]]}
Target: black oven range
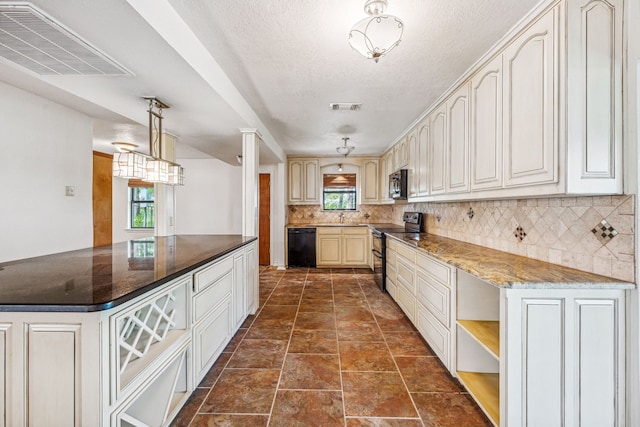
{"points": [[413, 223]]}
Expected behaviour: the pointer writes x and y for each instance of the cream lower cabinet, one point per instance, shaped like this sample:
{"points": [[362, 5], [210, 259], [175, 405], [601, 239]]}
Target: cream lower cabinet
{"points": [[528, 357], [133, 365], [343, 246]]}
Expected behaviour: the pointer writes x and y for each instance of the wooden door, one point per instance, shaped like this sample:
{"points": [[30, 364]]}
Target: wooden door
{"points": [[102, 198], [264, 231]]}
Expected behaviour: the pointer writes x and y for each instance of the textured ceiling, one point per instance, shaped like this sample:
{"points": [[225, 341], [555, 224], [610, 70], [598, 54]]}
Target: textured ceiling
{"points": [[291, 59], [274, 65]]}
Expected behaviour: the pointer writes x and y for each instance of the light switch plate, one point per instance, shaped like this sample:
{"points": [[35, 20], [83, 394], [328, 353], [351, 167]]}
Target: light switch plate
{"points": [[70, 191]]}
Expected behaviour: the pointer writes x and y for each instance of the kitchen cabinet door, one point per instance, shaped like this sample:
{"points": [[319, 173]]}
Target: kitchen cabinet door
{"points": [[530, 104], [239, 290], [422, 163], [252, 279], [457, 141], [412, 165], [594, 88], [304, 181], [486, 126], [437, 152], [355, 249], [329, 250], [403, 153], [369, 188]]}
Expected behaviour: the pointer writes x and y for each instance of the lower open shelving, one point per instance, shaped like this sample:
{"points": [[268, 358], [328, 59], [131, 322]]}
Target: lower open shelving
{"points": [[485, 389]]}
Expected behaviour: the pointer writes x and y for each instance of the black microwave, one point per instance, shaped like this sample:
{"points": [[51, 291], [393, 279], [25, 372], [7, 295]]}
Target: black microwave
{"points": [[398, 185]]}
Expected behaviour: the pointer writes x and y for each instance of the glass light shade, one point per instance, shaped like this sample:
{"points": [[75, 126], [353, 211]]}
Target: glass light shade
{"points": [[129, 165], [157, 171], [176, 175], [375, 36]]}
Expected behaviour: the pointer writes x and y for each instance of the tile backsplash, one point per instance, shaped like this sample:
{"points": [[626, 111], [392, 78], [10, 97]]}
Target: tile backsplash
{"points": [[594, 233]]}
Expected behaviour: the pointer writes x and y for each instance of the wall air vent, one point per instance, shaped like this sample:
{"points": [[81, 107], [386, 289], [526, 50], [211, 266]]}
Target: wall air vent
{"points": [[345, 106], [36, 41]]}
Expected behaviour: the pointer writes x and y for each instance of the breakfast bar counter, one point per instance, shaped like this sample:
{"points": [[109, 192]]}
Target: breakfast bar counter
{"points": [[103, 277]]}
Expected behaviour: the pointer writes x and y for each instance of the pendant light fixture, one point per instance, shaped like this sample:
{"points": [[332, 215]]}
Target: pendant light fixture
{"points": [[375, 36], [128, 163], [345, 150]]}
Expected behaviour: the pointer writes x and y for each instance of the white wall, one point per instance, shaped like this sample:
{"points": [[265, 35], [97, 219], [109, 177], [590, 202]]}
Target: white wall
{"points": [[210, 202], [44, 147]]}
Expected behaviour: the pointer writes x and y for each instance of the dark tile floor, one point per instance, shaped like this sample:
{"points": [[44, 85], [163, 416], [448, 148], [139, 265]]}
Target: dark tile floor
{"points": [[327, 348]]}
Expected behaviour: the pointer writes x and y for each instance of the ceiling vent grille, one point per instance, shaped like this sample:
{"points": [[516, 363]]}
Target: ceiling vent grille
{"points": [[336, 106], [36, 41]]}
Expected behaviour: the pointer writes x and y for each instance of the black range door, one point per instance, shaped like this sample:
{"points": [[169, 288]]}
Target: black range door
{"points": [[379, 263]]}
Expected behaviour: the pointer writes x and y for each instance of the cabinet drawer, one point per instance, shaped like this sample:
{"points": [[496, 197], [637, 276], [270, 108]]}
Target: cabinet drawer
{"points": [[391, 288], [356, 230], [328, 230], [391, 272], [212, 295], [437, 336], [405, 274], [434, 268], [435, 297], [209, 338], [407, 252], [391, 257], [406, 301], [208, 275]]}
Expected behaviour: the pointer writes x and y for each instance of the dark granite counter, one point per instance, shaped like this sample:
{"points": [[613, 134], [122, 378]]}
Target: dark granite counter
{"points": [[99, 278], [504, 269]]}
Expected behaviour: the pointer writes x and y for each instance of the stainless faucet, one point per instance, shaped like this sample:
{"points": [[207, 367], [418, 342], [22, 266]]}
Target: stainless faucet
{"points": [[341, 217]]}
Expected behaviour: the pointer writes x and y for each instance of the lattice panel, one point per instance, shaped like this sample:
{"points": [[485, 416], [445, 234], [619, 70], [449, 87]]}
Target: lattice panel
{"points": [[147, 325]]}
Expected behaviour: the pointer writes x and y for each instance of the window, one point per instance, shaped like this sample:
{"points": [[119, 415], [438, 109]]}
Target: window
{"points": [[339, 192], [141, 205]]}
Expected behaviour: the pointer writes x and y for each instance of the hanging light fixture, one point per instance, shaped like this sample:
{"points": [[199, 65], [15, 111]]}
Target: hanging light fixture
{"points": [[345, 150], [375, 36], [128, 163]]}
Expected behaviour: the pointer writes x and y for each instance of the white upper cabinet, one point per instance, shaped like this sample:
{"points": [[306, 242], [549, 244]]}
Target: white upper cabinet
{"points": [[369, 188], [412, 166], [594, 96], [457, 156], [438, 127], [530, 104], [402, 159], [303, 181], [486, 126], [422, 164]]}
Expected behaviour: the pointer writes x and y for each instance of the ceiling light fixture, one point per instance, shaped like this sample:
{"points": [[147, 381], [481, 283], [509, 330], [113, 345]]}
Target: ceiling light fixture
{"points": [[339, 167], [128, 163], [375, 36], [345, 150]]}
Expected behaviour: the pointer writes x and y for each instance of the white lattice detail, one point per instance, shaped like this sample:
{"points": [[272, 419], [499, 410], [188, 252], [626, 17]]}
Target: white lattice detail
{"points": [[149, 324]]}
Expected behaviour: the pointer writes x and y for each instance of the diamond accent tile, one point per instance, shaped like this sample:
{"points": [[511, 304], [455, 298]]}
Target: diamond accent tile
{"points": [[604, 232], [520, 233]]}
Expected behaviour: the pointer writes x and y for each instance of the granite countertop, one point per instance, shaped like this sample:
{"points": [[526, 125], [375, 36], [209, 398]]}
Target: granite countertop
{"points": [[507, 270], [99, 278]]}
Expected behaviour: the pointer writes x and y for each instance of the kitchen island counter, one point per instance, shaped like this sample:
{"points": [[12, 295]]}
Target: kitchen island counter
{"points": [[506, 270], [103, 277]]}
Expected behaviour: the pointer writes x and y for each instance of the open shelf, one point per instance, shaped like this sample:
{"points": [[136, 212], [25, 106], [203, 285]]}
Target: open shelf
{"points": [[486, 332], [485, 389]]}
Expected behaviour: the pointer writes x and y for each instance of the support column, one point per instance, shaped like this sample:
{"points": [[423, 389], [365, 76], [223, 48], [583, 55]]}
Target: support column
{"points": [[250, 181], [165, 206]]}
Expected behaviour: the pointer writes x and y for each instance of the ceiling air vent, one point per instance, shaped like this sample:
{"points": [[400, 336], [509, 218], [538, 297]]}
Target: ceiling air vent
{"points": [[345, 106], [36, 41]]}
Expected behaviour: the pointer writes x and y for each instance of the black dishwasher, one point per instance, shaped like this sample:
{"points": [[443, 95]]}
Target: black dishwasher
{"points": [[302, 247]]}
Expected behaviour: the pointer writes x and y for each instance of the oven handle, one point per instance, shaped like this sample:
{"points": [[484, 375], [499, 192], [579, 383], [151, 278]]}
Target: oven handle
{"points": [[376, 253], [376, 234]]}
